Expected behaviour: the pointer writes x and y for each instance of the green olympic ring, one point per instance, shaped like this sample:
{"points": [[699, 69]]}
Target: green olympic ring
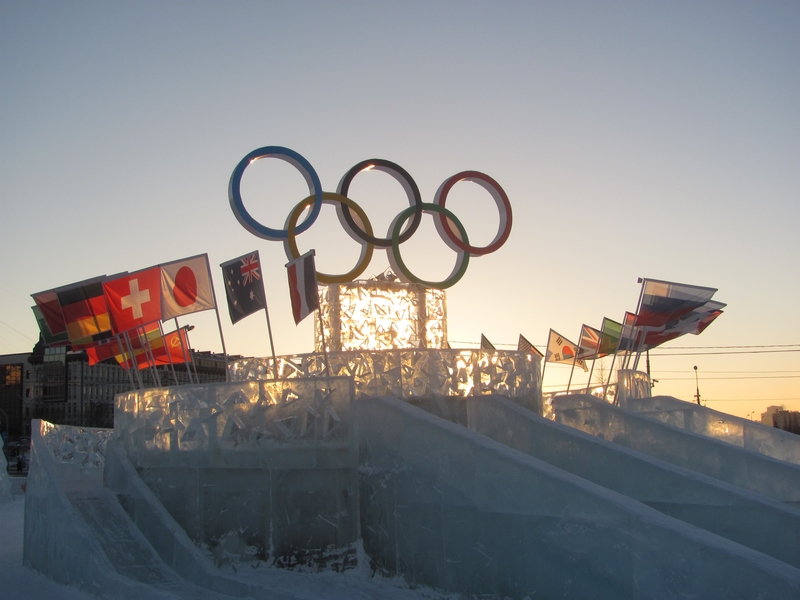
{"points": [[399, 266]]}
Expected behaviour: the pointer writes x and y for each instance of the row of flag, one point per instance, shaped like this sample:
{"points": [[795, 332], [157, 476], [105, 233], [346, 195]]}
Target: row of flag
{"points": [[120, 316], [666, 311]]}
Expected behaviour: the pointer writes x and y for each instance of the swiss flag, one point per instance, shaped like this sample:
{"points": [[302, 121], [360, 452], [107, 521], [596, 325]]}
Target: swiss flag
{"points": [[134, 299]]}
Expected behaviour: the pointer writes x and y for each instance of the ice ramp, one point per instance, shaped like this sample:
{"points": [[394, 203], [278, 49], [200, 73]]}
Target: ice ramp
{"points": [[738, 466], [447, 507], [76, 534], [726, 510], [747, 434]]}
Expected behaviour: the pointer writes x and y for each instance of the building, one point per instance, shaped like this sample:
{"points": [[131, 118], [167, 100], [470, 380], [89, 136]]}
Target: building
{"points": [[59, 386]]}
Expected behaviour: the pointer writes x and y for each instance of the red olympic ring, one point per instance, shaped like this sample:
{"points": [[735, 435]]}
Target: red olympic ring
{"points": [[443, 225]]}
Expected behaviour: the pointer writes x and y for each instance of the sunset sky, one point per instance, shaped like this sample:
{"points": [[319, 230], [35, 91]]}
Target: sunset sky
{"points": [[657, 140]]}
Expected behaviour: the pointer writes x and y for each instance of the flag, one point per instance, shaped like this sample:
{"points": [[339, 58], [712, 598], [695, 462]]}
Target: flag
{"points": [[525, 346], [134, 299], [486, 344], [589, 342], [186, 287], [243, 286], [693, 322], [48, 336], [174, 343], [103, 351], [51, 311], [609, 340], [83, 306], [303, 286], [628, 336], [561, 350], [664, 301], [138, 345]]}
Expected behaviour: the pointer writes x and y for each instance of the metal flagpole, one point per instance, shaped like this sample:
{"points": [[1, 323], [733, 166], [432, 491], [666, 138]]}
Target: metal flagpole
{"points": [[194, 364], [221, 337], [546, 356], [638, 308], [134, 363], [124, 358], [185, 353], [269, 332], [169, 354], [152, 357]]}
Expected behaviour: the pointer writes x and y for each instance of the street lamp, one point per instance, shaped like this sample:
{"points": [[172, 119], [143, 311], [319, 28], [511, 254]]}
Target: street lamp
{"points": [[697, 383]]}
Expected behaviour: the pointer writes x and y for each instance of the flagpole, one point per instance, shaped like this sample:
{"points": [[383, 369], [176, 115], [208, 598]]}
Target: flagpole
{"points": [[183, 348], [152, 357], [169, 354], [121, 347], [133, 360], [546, 356], [194, 364], [269, 332], [638, 308], [221, 337]]}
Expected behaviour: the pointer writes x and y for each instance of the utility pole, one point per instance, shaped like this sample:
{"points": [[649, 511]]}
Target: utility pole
{"points": [[697, 383]]}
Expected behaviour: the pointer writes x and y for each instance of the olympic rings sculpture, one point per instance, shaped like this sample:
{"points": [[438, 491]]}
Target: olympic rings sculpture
{"points": [[357, 224]]}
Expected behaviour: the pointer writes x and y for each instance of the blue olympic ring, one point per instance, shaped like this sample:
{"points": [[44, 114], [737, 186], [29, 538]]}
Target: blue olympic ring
{"points": [[235, 193]]}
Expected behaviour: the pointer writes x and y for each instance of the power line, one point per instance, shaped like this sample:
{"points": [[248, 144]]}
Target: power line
{"points": [[738, 371], [728, 378], [718, 353], [19, 332]]}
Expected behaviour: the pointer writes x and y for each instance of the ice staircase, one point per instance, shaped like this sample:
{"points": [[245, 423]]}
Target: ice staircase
{"points": [[477, 497]]}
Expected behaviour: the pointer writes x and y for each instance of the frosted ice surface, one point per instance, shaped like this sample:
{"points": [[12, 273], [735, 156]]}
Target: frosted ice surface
{"points": [[5, 482]]}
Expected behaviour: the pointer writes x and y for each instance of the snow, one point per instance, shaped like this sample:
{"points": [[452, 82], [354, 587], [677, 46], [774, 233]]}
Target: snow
{"points": [[18, 582]]}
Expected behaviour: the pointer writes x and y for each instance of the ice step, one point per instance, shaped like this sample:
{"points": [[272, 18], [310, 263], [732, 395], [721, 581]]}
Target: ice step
{"points": [[126, 548]]}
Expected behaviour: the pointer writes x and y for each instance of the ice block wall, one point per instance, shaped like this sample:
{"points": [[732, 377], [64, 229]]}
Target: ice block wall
{"points": [[414, 373], [269, 468], [449, 508], [773, 478], [732, 512], [702, 420]]}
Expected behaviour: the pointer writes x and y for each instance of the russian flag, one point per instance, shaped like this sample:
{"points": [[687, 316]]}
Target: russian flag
{"points": [[303, 286]]}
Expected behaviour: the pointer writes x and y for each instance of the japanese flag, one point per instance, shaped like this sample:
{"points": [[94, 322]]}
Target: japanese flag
{"points": [[186, 287]]}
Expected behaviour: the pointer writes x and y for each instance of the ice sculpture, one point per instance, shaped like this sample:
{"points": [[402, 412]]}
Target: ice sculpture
{"points": [[5, 482]]}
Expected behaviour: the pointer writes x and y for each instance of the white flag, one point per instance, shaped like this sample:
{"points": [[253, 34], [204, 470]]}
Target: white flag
{"points": [[561, 350], [186, 287]]}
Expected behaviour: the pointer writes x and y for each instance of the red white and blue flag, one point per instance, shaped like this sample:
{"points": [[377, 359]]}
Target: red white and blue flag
{"points": [[664, 301], [244, 287], [589, 342], [303, 286]]}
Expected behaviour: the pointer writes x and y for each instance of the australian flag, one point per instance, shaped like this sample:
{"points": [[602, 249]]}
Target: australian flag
{"points": [[244, 286]]}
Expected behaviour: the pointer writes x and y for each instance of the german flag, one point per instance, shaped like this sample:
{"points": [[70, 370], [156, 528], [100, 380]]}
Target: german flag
{"points": [[83, 306]]}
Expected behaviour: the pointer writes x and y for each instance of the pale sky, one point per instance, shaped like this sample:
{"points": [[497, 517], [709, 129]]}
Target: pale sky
{"points": [[657, 139]]}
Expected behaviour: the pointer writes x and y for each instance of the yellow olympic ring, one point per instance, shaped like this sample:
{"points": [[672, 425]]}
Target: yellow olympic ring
{"points": [[367, 248]]}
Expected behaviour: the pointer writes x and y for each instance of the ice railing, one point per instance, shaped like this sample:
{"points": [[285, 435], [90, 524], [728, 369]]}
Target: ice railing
{"points": [[213, 419], [632, 385], [78, 446], [409, 372]]}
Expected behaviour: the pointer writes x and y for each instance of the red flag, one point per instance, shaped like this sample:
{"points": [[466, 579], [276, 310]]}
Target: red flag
{"points": [[51, 311], [134, 299], [303, 286], [172, 348]]}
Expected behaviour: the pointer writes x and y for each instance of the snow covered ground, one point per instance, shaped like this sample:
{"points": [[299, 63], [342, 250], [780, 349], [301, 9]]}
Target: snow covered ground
{"points": [[20, 583], [16, 581]]}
